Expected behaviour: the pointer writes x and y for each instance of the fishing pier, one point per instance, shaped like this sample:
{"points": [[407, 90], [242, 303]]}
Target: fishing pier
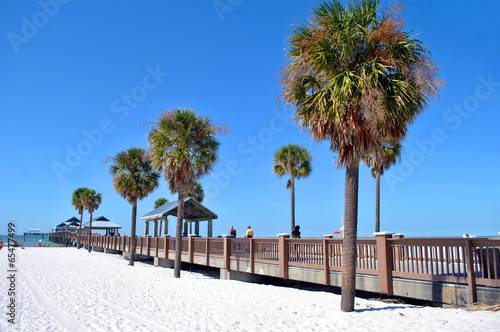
{"points": [[35, 232]]}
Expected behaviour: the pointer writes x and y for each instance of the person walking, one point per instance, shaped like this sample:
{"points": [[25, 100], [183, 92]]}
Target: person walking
{"points": [[249, 233]]}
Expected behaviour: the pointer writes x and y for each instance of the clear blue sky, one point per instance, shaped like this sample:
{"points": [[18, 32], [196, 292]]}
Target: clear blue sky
{"points": [[79, 79]]}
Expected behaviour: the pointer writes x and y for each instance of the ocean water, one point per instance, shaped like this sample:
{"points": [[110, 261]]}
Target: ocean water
{"points": [[29, 241]]}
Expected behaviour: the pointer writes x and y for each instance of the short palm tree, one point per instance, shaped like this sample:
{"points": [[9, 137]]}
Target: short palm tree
{"points": [[133, 178], [196, 191], [160, 201], [183, 147], [77, 202], [355, 78], [293, 160], [381, 161], [91, 201]]}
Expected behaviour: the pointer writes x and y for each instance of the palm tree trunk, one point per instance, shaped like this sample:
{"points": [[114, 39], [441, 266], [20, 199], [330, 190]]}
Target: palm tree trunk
{"points": [[178, 236], [292, 189], [132, 234], [90, 233], [80, 231], [377, 203], [350, 234]]}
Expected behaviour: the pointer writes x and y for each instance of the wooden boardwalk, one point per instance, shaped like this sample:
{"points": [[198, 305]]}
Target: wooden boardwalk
{"points": [[446, 270]]}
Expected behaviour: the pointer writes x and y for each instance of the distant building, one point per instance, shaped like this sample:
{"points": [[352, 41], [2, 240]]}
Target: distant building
{"points": [[70, 225]]}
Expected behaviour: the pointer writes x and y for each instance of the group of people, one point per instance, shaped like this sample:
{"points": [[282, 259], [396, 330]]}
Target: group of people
{"points": [[249, 233]]}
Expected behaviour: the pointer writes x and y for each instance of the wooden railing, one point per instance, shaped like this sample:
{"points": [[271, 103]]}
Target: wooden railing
{"points": [[472, 261]]}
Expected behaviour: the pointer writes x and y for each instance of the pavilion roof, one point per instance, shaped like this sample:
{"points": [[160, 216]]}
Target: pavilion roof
{"points": [[193, 210], [73, 219], [101, 222]]}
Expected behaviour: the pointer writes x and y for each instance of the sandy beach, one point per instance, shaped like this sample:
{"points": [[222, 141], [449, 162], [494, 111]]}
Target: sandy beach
{"points": [[65, 289]]}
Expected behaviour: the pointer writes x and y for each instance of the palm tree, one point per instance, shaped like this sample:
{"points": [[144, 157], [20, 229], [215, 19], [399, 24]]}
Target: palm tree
{"points": [[196, 191], [160, 201], [91, 202], [184, 148], [381, 161], [77, 202], [133, 178], [356, 79], [293, 160]]}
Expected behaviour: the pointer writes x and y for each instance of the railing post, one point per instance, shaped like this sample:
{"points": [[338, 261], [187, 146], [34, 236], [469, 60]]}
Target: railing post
{"points": [[227, 252], [157, 239], [252, 259], [191, 248], [148, 245], [283, 255], [384, 262], [207, 250], [166, 246], [326, 255], [471, 277]]}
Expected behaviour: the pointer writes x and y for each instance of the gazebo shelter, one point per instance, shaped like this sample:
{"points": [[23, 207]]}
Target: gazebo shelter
{"points": [[194, 212], [70, 225], [101, 223]]}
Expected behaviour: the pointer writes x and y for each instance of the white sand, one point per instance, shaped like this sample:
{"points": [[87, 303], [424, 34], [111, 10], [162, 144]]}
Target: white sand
{"points": [[65, 289]]}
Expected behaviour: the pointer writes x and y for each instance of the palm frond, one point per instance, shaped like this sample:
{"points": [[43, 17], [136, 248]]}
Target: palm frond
{"points": [[356, 78], [293, 160], [133, 175], [183, 146]]}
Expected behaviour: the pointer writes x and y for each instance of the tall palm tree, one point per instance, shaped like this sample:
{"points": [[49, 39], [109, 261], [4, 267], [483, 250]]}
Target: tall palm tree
{"points": [[293, 160], [381, 161], [196, 191], [160, 201], [91, 202], [133, 178], [184, 148], [356, 78], [78, 203]]}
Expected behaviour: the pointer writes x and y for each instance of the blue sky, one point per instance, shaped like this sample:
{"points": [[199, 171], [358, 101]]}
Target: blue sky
{"points": [[80, 80]]}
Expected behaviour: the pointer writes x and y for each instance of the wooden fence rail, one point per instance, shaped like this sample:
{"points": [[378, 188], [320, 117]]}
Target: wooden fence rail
{"points": [[471, 261]]}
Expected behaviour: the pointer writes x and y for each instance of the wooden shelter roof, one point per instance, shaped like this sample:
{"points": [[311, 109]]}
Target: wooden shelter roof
{"points": [[193, 211], [101, 223]]}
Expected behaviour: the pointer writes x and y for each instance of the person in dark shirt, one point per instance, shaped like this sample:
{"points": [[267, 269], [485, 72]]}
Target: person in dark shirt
{"points": [[296, 232], [232, 231]]}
